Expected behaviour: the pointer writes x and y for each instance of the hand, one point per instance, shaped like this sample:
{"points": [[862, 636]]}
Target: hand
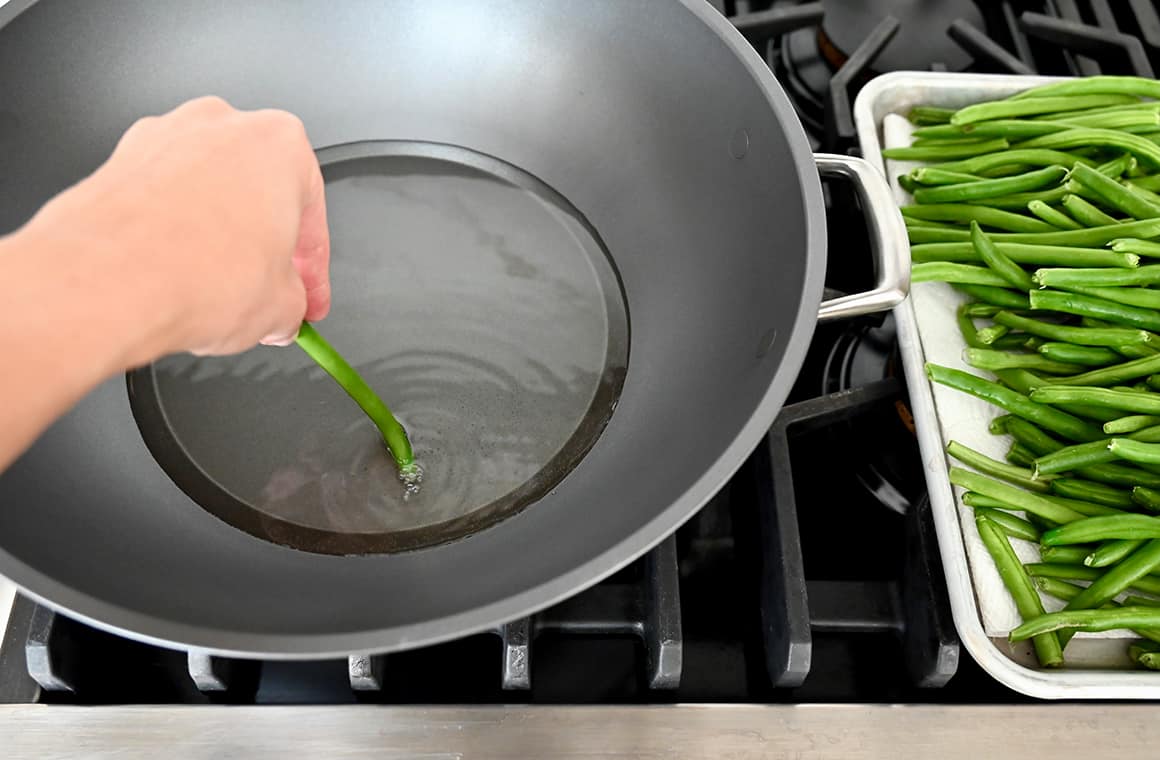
{"points": [[207, 224]]}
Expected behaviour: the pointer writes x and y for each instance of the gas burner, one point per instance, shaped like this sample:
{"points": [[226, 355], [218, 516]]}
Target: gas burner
{"points": [[921, 40], [861, 356], [867, 38]]}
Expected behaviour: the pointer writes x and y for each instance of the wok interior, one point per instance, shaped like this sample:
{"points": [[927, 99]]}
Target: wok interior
{"points": [[634, 112]]}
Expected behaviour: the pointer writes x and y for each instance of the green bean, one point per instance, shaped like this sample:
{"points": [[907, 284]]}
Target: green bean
{"points": [[990, 359], [1134, 120], [983, 310], [1145, 150], [1026, 253], [1064, 555], [1003, 109], [973, 500], [1042, 444], [1148, 584], [1144, 298], [1022, 590], [1111, 552], [1013, 526], [1148, 498], [1131, 571], [1131, 424], [1146, 182], [1008, 299], [1018, 157], [1129, 370], [999, 262], [945, 271], [992, 188], [1103, 528], [967, 328], [1086, 213], [906, 183], [989, 335], [1096, 493], [960, 139], [1019, 201], [1087, 620], [1055, 218], [1135, 246], [952, 212], [1114, 194], [1128, 401], [1104, 84], [986, 465], [1020, 456], [1098, 278], [1024, 381], [1140, 601], [1117, 166], [930, 115], [1084, 336], [998, 425], [937, 153], [1146, 435], [1088, 356], [1090, 237], [1071, 458], [1017, 498], [1057, 588], [1135, 451], [1067, 425], [1153, 382], [346, 376], [1021, 129], [933, 175], [1100, 308], [940, 131]]}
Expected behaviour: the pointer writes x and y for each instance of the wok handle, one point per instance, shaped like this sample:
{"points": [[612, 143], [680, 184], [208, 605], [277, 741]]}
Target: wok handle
{"points": [[888, 239]]}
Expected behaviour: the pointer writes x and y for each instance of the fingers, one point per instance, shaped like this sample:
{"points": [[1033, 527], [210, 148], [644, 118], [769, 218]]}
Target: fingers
{"points": [[312, 251], [289, 311]]}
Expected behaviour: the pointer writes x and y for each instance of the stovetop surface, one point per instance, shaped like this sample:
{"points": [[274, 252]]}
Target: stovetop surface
{"points": [[814, 576]]}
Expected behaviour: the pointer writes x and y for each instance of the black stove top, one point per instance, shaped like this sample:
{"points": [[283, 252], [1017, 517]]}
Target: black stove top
{"points": [[814, 575]]}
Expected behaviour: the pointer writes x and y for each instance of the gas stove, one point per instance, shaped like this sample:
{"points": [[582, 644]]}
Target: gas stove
{"points": [[813, 577]]}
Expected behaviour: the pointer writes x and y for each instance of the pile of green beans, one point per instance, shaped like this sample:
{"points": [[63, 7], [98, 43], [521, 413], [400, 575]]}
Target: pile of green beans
{"points": [[1043, 210]]}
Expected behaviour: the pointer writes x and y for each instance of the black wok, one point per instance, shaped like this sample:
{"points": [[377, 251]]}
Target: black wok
{"points": [[578, 245]]}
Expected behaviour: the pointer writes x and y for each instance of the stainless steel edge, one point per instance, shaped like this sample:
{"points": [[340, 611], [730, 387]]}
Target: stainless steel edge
{"points": [[896, 93], [888, 241], [739, 732]]}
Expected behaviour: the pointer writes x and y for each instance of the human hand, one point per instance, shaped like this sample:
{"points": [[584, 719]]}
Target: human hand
{"points": [[206, 224]]}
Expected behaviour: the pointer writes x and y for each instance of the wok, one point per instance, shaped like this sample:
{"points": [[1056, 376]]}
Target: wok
{"points": [[578, 246]]}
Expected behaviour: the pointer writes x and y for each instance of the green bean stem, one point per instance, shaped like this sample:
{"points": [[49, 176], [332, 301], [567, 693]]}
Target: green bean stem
{"points": [[395, 437]]}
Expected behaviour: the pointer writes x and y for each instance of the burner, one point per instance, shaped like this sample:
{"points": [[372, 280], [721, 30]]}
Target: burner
{"points": [[921, 41], [860, 356]]}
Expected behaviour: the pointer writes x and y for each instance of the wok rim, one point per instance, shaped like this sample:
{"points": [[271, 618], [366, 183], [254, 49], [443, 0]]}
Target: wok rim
{"points": [[164, 632]]}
